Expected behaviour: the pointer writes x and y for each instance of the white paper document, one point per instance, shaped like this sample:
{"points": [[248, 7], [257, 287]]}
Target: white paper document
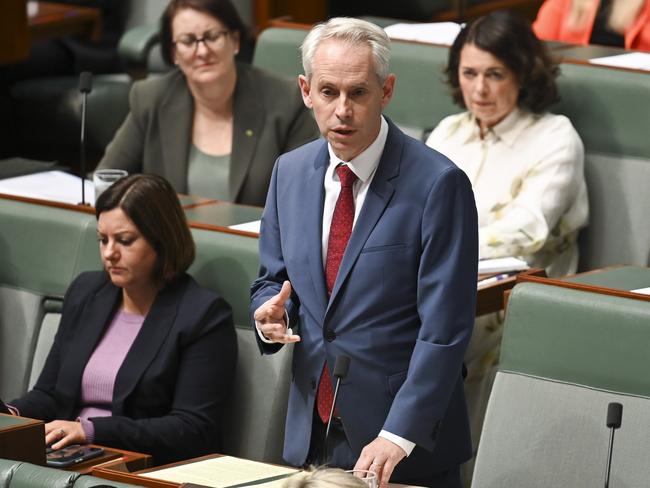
{"points": [[629, 60], [644, 291], [501, 265], [56, 186], [432, 33], [253, 226], [225, 471]]}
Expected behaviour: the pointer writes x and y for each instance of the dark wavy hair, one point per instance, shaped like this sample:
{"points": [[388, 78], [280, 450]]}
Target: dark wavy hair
{"points": [[222, 10], [150, 202], [509, 38]]}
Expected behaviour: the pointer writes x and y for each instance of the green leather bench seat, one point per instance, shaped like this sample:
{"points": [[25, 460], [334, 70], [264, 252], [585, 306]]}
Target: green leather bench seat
{"points": [[610, 110], [565, 355], [16, 474], [44, 248], [41, 250]]}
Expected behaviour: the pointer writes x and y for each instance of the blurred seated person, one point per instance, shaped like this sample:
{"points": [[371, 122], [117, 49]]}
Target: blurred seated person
{"points": [[525, 164], [144, 357], [324, 477], [212, 127], [621, 23]]}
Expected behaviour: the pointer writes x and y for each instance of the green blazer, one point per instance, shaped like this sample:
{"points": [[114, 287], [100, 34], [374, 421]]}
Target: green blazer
{"points": [[269, 119]]}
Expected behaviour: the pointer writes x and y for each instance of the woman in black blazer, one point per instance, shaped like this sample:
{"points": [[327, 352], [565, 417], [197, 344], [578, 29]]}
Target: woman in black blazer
{"points": [[160, 389]]}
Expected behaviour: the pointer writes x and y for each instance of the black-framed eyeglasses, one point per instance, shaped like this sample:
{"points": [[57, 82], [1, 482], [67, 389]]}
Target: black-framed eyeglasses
{"points": [[188, 43]]}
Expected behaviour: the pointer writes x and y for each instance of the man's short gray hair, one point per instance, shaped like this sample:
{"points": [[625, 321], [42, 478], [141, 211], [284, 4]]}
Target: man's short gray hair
{"points": [[353, 31]]}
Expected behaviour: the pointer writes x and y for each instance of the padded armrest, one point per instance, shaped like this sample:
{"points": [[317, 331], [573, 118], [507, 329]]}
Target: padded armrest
{"points": [[136, 43]]}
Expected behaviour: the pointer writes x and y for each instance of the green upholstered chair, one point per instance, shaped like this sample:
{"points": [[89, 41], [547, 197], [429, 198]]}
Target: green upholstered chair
{"points": [[16, 474], [43, 248], [254, 424], [609, 109], [28, 475], [46, 115], [565, 355], [7, 469]]}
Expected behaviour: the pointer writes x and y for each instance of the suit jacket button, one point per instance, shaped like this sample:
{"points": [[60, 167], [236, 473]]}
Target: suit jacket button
{"points": [[313, 383], [330, 335]]}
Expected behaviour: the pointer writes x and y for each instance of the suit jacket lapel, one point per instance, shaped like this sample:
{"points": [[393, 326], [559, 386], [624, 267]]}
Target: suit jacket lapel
{"points": [[377, 198], [93, 321], [312, 223], [153, 333], [175, 119], [248, 122]]}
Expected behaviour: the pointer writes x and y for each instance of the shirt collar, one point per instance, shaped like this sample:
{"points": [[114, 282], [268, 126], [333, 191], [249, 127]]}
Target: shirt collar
{"points": [[508, 130], [365, 164]]}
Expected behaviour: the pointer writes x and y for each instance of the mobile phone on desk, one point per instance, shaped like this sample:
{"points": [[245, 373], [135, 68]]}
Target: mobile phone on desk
{"points": [[72, 454]]}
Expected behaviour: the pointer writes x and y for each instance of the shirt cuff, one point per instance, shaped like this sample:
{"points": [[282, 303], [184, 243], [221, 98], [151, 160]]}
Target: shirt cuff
{"points": [[89, 429], [406, 445], [264, 339], [13, 410]]}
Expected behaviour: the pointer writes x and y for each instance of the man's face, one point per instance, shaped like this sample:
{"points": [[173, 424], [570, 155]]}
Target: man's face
{"points": [[346, 96]]}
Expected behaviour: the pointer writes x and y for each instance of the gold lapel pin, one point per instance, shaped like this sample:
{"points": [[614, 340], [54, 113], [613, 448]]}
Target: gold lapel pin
{"points": [[249, 132]]}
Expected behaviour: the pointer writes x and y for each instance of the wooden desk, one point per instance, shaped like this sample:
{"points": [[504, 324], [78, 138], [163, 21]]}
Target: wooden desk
{"points": [[114, 459], [613, 280], [139, 478], [22, 439], [55, 20]]}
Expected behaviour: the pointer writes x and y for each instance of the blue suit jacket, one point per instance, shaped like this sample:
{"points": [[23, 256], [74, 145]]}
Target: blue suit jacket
{"points": [[402, 306]]}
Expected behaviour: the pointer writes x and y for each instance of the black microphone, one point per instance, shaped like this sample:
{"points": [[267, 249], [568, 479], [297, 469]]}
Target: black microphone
{"points": [[341, 367], [614, 416], [85, 87]]}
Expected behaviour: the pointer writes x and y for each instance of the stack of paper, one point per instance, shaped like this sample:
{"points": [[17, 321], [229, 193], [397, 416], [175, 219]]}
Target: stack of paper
{"points": [[433, 33], [54, 186], [225, 472], [501, 265], [629, 60]]}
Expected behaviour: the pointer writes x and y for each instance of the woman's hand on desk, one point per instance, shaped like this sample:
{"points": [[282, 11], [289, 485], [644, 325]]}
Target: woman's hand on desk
{"points": [[61, 433]]}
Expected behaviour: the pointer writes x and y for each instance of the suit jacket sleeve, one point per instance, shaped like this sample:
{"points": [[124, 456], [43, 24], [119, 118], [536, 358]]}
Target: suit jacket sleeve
{"points": [[126, 150], [446, 306], [272, 269], [204, 372]]}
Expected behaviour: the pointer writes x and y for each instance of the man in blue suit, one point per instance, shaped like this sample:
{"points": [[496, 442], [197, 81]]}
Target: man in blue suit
{"points": [[368, 248]]}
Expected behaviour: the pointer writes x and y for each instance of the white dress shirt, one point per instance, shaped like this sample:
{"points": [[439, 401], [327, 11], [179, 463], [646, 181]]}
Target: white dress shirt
{"points": [[528, 181]]}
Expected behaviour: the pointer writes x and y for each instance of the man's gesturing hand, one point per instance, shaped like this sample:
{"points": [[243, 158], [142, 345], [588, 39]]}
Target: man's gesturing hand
{"points": [[269, 317]]}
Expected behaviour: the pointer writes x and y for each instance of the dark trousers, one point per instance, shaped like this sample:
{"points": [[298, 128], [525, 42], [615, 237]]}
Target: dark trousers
{"points": [[339, 455]]}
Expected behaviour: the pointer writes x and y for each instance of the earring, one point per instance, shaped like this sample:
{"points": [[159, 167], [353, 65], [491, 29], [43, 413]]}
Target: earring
{"points": [[236, 52]]}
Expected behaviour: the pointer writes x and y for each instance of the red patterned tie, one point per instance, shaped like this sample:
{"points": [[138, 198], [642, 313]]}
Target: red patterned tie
{"points": [[340, 231]]}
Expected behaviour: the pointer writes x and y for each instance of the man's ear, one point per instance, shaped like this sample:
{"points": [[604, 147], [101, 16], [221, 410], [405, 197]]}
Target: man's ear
{"points": [[305, 90], [387, 90]]}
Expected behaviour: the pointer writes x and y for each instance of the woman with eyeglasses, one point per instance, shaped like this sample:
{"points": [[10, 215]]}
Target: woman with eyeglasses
{"points": [[213, 127]]}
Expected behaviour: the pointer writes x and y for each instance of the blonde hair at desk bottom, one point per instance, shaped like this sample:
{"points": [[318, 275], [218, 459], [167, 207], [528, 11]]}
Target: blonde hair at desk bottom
{"points": [[324, 478], [623, 13]]}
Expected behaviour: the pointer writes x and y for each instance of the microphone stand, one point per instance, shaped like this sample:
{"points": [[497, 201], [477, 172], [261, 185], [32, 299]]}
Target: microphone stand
{"points": [[340, 371], [614, 415], [85, 87]]}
